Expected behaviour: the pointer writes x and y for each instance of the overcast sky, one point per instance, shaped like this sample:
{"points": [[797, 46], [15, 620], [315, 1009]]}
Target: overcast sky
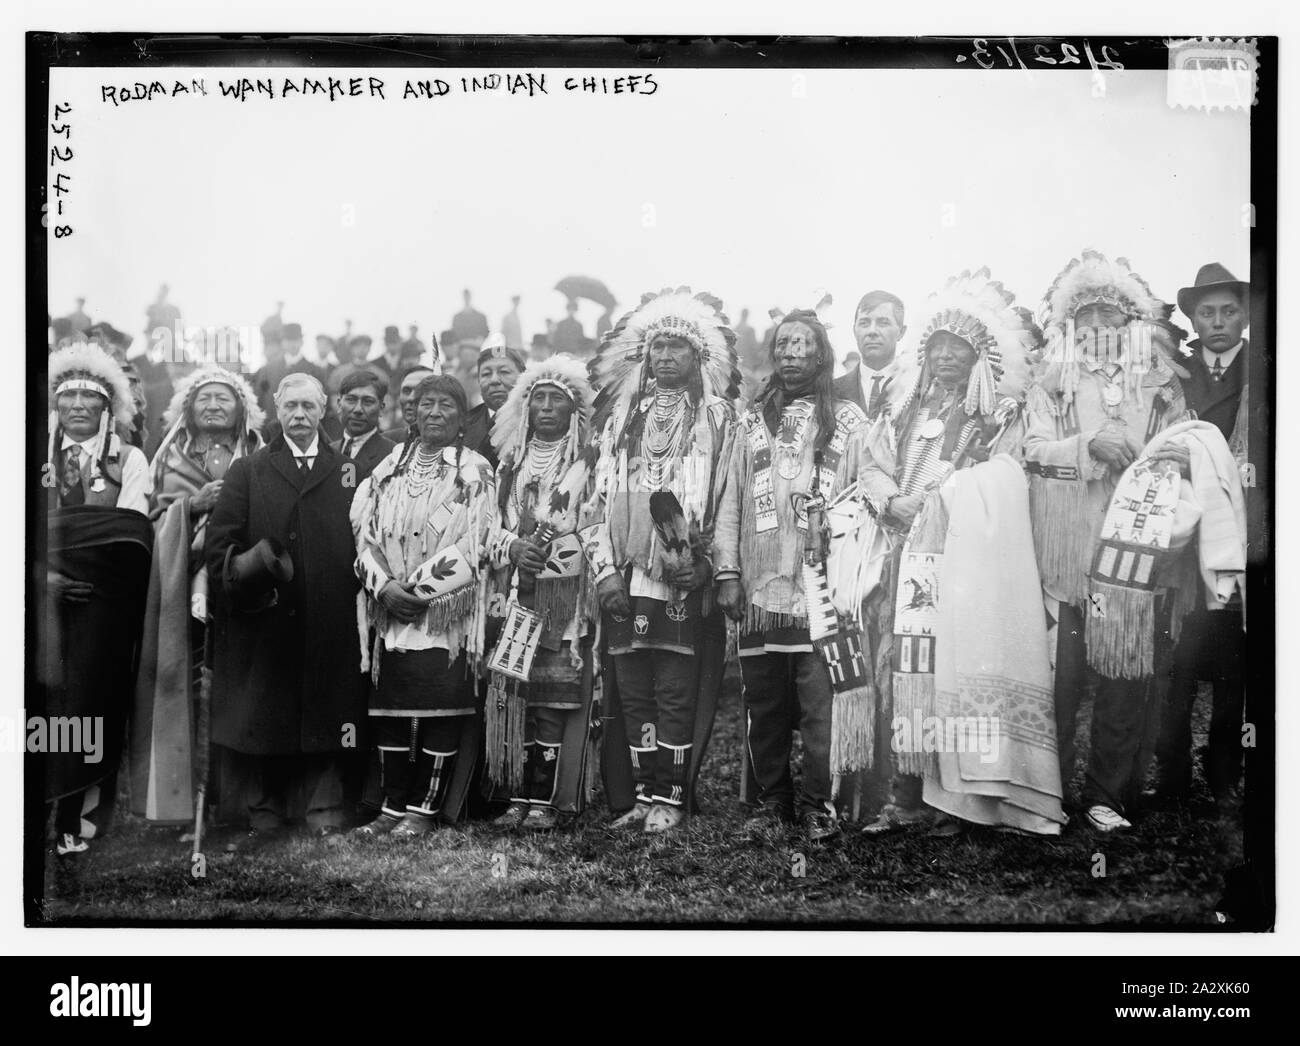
{"points": [[764, 187]]}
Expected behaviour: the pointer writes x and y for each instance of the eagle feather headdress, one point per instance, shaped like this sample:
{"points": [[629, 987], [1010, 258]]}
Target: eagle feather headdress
{"points": [[177, 415], [510, 429], [1093, 279], [618, 370], [207, 374], [983, 313], [85, 366]]}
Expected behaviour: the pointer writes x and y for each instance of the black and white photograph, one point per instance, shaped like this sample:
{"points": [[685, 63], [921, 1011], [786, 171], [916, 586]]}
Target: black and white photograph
{"points": [[675, 481]]}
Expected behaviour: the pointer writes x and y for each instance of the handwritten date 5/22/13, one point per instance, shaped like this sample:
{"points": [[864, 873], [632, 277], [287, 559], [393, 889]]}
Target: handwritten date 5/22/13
{"points": [[1008, 54]]}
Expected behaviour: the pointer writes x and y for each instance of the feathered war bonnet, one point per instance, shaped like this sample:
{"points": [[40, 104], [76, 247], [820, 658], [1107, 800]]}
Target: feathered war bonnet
{"points": [[1148, 339], [982, 313], [567, 373], [87, 367], [177, 416], [620, 369]]}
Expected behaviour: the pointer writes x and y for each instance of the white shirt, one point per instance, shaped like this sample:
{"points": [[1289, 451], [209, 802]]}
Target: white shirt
{"points": [[353, 444], [309, 454], [137, 480], [1225, 358], [867, 377]]}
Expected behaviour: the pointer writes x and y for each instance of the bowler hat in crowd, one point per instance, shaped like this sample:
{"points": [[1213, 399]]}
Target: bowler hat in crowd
{"points": [[109, 335]]}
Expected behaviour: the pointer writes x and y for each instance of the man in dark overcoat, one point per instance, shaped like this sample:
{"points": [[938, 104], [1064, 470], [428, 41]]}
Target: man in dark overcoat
{"points": [[287, 693]]}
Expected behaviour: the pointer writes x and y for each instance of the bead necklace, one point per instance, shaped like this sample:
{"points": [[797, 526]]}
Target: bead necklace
{"points": [[662, 438], [541, 465], [423, 468]]}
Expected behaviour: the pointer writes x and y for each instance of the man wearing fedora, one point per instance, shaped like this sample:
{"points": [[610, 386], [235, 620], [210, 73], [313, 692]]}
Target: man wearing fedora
{"points": [[287, 691], [1212, 644]]}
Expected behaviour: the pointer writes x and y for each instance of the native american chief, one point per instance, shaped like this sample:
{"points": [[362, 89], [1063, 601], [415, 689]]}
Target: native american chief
{"points": [[212, 421], [798, 449], [536, 729], [666, 377], [1121, 480], [97, 569], [947, 484]]}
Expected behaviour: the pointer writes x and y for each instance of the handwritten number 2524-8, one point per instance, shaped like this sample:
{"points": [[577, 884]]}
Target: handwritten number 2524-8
{"points": [[987, 59]]}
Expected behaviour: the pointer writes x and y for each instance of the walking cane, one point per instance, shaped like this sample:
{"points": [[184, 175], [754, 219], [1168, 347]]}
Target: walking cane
{"points": [[201, 754]]}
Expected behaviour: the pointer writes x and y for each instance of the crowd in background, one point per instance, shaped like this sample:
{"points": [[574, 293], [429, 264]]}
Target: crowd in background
{"points": [[508, 517]]}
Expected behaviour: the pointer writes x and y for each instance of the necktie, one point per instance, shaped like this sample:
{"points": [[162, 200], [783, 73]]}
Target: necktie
{"points": [[1216, 372], [304, 466], [72, 491], [347, 447], [873, 404]]}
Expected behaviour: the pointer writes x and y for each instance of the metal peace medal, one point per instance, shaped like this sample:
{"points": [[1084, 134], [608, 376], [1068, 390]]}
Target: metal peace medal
{"points": [[932, 429], [787, 466]]}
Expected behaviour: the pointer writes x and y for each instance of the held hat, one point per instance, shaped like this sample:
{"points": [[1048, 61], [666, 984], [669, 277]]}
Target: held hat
{"points": [[250, 578]]}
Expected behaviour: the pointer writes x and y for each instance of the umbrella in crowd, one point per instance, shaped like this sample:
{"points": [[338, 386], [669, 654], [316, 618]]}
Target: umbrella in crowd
{"points": [[587, 287]]}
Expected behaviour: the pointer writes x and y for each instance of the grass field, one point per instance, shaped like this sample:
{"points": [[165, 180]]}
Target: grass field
{"points": [[1168, 872]]}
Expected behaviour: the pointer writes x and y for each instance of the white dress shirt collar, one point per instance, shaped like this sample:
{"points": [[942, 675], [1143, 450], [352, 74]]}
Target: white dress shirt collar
{"points": [[311, 451], [84, 444], [867, 376], [355, 443], [1225, 358]]}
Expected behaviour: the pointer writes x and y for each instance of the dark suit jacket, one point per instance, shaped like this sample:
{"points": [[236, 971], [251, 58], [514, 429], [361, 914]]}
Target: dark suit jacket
{"points": [[286, 680], [372, 452], [849, 387], [1215, 401], [478, 428]]}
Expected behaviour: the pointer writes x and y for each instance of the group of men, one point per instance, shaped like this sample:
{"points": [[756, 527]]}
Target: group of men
{"points": [[832, 526]]}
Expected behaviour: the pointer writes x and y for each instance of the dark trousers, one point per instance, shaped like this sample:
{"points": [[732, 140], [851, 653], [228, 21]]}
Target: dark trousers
{"points": [[1211, 646], [416, 756], [71, 814], [784, 692], [284, 788], [657, 692], [1119, 712], [67, 814]]}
